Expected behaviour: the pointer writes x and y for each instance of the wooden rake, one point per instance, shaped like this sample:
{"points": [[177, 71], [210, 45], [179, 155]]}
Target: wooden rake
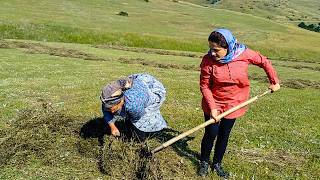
{"points": [[210, 121]]}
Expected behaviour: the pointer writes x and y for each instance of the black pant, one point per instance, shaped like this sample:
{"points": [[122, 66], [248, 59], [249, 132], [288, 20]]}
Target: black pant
{"points": [[222, 130]]}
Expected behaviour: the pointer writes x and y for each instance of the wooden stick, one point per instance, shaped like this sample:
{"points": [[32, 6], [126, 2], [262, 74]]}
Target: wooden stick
{"points": [[210, 121]]}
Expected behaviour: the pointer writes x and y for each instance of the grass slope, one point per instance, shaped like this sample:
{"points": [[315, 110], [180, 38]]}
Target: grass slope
{"points": [[166, 25], [50, 90], [278, 138]]}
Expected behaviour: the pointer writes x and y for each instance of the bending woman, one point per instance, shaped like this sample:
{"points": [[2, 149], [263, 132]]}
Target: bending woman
{"points": [[137, 99]]}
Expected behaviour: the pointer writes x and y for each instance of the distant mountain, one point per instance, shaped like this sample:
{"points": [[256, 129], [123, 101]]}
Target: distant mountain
{"points": [[292, 11]]}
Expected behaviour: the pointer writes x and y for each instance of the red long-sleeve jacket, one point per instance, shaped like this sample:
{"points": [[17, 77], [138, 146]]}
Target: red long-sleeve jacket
{"points": [[224, 86]]}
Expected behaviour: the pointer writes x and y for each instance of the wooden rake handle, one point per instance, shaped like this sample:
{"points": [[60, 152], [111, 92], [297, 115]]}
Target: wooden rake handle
{"points": [[210, 121]]}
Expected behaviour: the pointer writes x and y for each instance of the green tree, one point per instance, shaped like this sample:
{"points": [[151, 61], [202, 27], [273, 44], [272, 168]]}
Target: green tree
{"points": [[311, 27], [302, 25]]}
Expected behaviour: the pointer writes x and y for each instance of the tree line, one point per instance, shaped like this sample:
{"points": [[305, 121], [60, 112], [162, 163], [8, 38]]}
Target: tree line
{"points": [[310, 27], [213, 1]]}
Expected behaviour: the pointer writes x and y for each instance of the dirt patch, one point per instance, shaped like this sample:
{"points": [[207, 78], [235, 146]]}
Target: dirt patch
{"points": [[149, 51]]}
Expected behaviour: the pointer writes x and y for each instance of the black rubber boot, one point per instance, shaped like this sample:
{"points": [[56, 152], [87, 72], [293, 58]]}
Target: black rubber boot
{"points": [[219, 170], [203, 169]]}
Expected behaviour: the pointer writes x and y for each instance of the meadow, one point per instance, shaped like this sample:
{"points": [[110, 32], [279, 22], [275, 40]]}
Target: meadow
{"points": [[56, 57], [167, 25]]}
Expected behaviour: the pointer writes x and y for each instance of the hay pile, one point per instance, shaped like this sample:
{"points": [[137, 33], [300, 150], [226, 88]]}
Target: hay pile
{"points": [[128, 160], [41, 133]]}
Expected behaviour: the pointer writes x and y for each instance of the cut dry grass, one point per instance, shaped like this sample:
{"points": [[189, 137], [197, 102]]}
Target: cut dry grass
{"points": [[290, 83], [37, 133], [37, 48], [300, 84], [279, 158], [150, 51], [128, 159]]}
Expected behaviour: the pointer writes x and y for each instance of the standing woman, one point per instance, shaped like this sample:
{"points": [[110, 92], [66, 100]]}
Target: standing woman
{"points": [[224, 84]]}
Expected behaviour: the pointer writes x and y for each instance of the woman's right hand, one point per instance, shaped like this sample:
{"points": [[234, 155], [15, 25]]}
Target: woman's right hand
{"points": [[274, 87], [214, 113], [114, 130]]}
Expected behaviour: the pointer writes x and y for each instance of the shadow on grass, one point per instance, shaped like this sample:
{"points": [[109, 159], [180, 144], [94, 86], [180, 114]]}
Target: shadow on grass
{"points": [[97, 128], [94, 128], [180, 147]]}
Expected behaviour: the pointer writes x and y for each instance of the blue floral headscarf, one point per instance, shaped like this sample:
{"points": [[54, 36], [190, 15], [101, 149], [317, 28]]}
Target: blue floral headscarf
{"points": [[234, 48]]}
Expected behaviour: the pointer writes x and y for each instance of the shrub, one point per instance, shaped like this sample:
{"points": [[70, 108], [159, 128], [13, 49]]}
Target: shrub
{"points": [[302, 25], [310, 27], [123, 13], [214, 1]]}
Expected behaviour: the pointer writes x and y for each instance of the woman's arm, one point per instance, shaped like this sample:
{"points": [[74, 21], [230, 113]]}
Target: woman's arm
{"points": [[206, 85], [261, 61], [109, 119]]}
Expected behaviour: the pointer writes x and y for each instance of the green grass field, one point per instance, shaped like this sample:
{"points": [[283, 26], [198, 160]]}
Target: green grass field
{"points": [[278, 138], [56, 57]]}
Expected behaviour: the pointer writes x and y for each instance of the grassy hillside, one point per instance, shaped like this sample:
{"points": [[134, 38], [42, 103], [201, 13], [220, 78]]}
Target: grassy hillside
{"points": [[166, 25], [283, 11], [57, 55], [44, 143]]}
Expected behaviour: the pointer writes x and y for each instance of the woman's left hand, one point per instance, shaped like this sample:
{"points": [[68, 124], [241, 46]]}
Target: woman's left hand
{"points": [[274, 87]]}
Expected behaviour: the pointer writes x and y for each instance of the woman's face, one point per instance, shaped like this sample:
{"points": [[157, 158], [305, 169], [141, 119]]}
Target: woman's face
{"points": [[217, 51], [117, 107]]}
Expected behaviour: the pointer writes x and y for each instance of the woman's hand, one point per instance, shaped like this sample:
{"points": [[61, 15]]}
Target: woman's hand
{"points": [[214, 114], [274, 87], [114, 130]]}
